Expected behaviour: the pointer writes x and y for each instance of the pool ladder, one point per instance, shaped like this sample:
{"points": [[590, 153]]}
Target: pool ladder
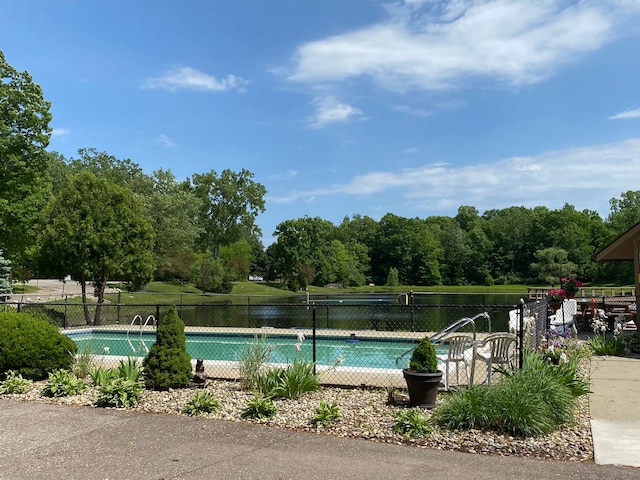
{"points": [[142, 325], [437, 337]]}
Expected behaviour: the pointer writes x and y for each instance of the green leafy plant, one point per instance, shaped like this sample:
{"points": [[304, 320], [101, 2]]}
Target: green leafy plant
{"points": [[268, 380], [423, 358], [129, 369], [119, 393], [412, 423], [528, 402], [62, 383], [251, 359], [14, 383], [33, 347], [202, 402], [101, 376], [327, 413], [600, 344], [296, 380], [168, 365], [632, 342], [259, 406]]}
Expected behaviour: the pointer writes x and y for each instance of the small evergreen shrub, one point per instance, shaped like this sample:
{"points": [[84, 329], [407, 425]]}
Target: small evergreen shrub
{"points": [[62, 383], [327, 413], [14, 384], [412, 423], [423, 358], [168, 365], [259, 407], [119, 393], [33, 347], [202, 402]]}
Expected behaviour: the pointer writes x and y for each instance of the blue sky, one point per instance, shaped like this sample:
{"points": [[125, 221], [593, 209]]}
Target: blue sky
{"points": [[343, 107]]}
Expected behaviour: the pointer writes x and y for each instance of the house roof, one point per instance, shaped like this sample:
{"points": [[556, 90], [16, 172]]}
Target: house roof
{"points": [[622, 248]]}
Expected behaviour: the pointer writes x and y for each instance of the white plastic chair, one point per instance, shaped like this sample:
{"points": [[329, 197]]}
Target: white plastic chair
{"points": [[565, 317], [495, 349], [460, 351]]}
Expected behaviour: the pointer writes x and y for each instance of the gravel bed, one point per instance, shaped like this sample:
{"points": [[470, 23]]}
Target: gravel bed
{"points": [[365, 414]]}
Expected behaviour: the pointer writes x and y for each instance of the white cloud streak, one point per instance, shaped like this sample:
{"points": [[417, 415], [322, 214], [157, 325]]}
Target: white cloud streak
{"points": [[59, 132], [330, 110], [433, 45], [187, 78], [626, 115], [165, 141], [582, 177]]}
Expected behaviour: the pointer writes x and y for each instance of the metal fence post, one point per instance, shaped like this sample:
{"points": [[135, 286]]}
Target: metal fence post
{"points": [[313, 324], [521, 333]]}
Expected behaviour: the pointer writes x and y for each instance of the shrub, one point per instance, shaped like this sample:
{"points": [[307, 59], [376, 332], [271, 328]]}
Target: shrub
{"points": [[423, 358], [259, 407], [327, 413], [62, 383], [14, 383], [168, 365], [119, 393], [632, 342], [412, 423], [33, 347], [202, 402]]}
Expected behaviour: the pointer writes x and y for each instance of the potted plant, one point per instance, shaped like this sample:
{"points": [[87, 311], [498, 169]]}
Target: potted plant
{"points": [[423, 377], [570, 286]]}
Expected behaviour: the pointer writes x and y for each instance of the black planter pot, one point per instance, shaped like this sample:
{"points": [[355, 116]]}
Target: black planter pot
{"points": [[423, 387]]}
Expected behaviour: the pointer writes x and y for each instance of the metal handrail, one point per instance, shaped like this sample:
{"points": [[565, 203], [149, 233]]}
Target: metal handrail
{"points": [[437, 337]]}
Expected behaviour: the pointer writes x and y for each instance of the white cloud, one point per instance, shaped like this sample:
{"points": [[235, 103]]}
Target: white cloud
{"points": [[410, 150], [165, 141], [330, 110], [582, 177], [438, 45], [627, 114], [191, 79], [59, 132]]}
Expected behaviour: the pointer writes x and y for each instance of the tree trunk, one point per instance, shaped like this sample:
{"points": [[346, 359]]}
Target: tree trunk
{"points": [[102, 283], [85, 306]]}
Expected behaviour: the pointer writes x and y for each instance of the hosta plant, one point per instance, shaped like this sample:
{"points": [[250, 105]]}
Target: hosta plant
{"points": [[119, 393], [202, 402], [14, 383], [327, 413], [259, 407], [412, 423], [62, 383]]}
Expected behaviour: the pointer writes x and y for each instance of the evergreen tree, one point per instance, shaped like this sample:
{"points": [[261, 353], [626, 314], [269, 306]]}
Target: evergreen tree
{"points": [[168, 365]]}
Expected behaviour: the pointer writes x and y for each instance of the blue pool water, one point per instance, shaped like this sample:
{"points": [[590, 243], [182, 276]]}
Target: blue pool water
{"points": [[368, 353]]}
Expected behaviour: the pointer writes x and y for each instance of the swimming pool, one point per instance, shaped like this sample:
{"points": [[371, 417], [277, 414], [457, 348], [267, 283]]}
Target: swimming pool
{"points": [[367, 353]]}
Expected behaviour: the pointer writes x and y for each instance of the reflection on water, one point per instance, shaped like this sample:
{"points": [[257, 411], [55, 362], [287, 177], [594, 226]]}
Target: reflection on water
{"points": [[379, 312]]}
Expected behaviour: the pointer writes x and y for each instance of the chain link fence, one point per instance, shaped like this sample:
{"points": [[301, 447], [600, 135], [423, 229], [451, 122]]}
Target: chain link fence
{"points": [[351, 343]]}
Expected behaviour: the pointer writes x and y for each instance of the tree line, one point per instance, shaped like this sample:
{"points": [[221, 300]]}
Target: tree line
{"points": [[99, 218]]}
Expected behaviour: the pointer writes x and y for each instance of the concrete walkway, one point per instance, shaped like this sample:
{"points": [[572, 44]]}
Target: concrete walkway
{"points": [[615, 410], [46, 441]]}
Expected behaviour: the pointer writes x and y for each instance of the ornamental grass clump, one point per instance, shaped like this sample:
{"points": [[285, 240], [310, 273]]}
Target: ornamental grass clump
{"points": [[168, 365], [531, 401]]}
